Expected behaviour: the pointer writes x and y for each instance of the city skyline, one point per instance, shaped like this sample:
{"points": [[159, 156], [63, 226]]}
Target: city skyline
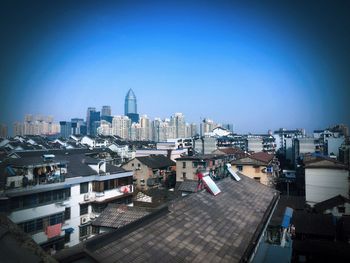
{"points": [[257, 67]]}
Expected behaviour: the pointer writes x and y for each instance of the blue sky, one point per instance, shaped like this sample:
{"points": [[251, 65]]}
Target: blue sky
{"points": [[256, 66]]}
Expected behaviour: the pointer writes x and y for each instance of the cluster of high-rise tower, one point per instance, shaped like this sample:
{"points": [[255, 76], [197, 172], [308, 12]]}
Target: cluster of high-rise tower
{"points": [[129, 126]]}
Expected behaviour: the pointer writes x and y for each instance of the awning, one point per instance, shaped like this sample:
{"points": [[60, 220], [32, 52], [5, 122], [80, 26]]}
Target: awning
{"points": [[287, 216], [69, 230]]}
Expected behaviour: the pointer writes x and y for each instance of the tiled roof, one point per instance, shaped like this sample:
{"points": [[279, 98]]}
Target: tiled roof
{"points": [[77, 163], [200, 157], [323, 162], [199, 227], [231, 150], [116, 216], [156, 161], [313, 224], [188, 186], [330, 203], [248, 161], [262, 156]]}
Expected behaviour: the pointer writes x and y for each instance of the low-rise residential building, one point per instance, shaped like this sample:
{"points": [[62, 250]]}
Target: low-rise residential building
{"points": [[255, 144], [262, 167], [302, 146], [93, 142], [116, 216], [324, 179], [205, 145], [53, 196], [333, 145], [188, 167], [171, 154], [344, 154], [338, 206], [200, 227], [150, 171], [231, 153]]}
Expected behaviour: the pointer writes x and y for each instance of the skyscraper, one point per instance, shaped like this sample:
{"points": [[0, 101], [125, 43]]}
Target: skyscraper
{"points": [[88, 122], [66, 129], [106, 111], [130, 106], [91, 117], [106, 114], [178, 122]]}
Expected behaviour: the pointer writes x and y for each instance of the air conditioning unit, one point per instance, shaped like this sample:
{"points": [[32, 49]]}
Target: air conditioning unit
{"points": [[92, 216], [86, 197], [84, 220]]}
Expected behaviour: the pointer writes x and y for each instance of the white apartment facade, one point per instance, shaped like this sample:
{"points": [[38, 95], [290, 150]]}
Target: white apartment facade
{"points": [[54, 201]]}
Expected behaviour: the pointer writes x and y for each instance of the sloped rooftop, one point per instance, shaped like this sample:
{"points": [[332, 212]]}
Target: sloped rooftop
{"points": [[156, 161], [198, 227], [116, 215], [330, 203], [188, 186]]}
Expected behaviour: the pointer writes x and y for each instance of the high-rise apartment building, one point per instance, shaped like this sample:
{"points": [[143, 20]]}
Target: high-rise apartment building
{"points": [[191, 129], [121, 126], [145, 128], [105, 128], [3, 130], [207, 126], [66, 129], [78, 126], [106, 111], [36, 125], [130, 106], [106, 114], [179, 124]]}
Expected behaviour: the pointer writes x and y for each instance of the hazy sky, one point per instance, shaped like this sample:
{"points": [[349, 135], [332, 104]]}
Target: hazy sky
{"points": [[257, 66]]}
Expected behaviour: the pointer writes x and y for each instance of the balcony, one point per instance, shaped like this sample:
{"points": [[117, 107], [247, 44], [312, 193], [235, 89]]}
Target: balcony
{"points": [[24, 177]]}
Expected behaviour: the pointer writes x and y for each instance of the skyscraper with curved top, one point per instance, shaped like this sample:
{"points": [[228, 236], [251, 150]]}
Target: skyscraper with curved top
{"points": [[130, 106]]}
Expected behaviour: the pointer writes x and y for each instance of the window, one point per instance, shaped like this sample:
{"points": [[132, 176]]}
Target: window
{"points": [[257, 179], [95, 230], [56, 219], [84, 231], [139, 165], [183, 164], [106, 185], [240, 168], [132, 164], [39, 224], [97, 187], [30, 200], [67, 213], [98, 208], [57, 195], [84, 209], [15, 203], [257, 168], [341, 209], [84, 188], [45, 197], [67, 237], [184, 175]]}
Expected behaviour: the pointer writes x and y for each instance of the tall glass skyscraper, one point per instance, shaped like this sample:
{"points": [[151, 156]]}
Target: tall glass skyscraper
{"points": [[130, 106]]}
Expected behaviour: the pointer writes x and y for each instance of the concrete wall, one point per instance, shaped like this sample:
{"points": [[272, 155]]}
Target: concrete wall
{"points": [[255, 144], [251, 172], [322, 184], [189, 170], [333, 145]]}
